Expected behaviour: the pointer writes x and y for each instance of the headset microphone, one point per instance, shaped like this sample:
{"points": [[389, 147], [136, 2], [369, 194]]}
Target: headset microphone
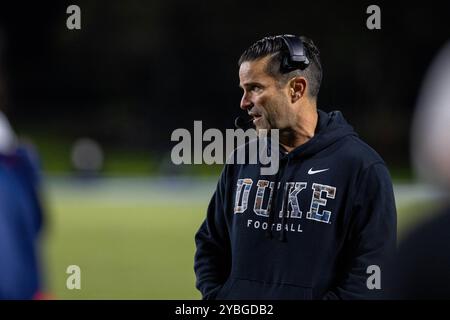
{"points": [[243, 123]]}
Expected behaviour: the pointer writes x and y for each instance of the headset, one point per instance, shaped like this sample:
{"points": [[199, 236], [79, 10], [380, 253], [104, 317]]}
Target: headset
{"points": [[296, 59]]}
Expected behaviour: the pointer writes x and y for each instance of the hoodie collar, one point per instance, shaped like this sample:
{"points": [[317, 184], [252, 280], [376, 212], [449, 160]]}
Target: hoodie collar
{"points": [[330, 127]]}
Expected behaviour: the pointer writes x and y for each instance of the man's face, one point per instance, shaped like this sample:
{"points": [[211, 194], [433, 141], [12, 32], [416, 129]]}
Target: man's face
{"points": [[264, 99]]}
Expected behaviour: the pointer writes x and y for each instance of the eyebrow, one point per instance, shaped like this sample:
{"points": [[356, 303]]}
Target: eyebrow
{"points": [[249, 84]]}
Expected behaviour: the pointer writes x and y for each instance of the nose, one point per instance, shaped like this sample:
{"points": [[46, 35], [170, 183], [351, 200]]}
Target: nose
{"points": [[246, 103]]}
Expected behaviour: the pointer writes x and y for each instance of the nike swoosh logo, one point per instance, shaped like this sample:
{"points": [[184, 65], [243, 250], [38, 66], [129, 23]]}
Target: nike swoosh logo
{"points": [[311, 171]]}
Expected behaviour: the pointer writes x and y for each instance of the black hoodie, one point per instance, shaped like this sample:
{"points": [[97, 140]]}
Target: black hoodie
{"points": [[339, 222]]}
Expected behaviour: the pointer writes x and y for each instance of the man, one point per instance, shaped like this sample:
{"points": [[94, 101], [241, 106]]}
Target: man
{"points": [[314, 229]]}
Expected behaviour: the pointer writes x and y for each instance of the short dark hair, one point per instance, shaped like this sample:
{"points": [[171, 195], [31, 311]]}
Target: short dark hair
{"points": [[275, 46]]}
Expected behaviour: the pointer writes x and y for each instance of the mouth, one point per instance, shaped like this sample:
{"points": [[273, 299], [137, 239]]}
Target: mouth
{"points": [[256, 117]]}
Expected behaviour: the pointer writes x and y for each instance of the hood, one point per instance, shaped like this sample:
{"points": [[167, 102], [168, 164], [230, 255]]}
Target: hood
{"points": [[330, 128]]}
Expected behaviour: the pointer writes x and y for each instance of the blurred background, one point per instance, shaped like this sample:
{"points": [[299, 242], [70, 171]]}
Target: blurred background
{"points": [[100, 104]]}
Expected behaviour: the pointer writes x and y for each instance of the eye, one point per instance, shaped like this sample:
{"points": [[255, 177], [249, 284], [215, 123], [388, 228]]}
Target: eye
{"points": [[255, 88]]}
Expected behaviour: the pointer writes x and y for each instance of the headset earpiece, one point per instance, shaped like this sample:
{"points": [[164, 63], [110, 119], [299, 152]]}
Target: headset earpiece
{"points": [[296, 57]]}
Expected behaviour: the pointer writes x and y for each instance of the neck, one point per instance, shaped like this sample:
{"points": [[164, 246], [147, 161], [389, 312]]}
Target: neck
{"points": [[302, 131]]}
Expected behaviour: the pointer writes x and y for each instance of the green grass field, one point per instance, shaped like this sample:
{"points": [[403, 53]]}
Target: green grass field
{"points": [[132, 240]]}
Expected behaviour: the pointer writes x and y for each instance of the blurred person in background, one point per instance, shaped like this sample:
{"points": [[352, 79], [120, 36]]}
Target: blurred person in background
{"points": [[20, 214], [422, 269], [331, 219]]}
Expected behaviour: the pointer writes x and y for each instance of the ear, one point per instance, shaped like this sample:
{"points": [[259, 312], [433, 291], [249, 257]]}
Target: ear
{"points": [[297, 88]]}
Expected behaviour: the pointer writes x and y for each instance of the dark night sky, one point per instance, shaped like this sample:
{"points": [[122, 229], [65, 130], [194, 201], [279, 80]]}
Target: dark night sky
{"points": [[137, 70]]}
